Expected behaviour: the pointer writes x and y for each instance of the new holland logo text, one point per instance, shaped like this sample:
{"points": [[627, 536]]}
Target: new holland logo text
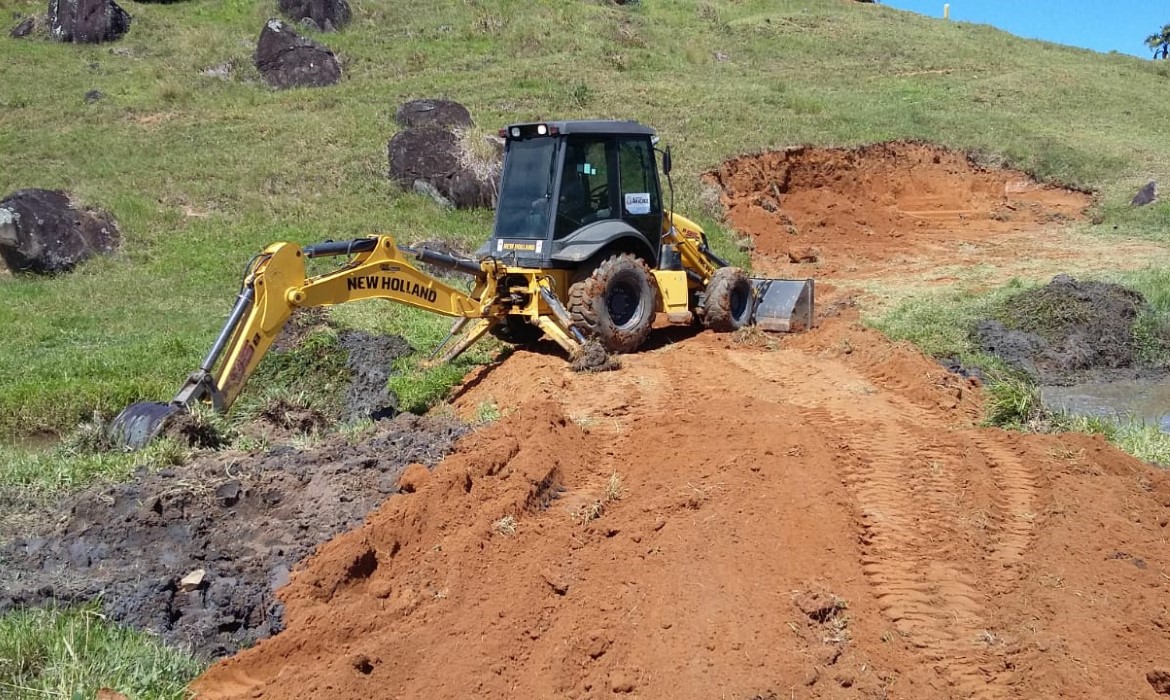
{"points": [[393, 284]]}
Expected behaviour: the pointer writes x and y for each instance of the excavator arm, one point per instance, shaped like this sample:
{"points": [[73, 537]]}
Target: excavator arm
{"points": [[275, 286]]}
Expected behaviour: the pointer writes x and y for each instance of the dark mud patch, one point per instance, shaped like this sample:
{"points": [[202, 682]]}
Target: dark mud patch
{"points": [[1069, 331], [345, 372], [370, 362], [244, 520]]}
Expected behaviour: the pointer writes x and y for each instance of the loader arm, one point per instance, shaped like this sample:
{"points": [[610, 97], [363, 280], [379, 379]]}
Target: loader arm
{"points": [[776, 304], [275, 285], [690, 241]]}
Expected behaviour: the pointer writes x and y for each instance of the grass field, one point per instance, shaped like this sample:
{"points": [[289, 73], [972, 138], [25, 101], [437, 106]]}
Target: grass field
{"points": [[203, 172]]}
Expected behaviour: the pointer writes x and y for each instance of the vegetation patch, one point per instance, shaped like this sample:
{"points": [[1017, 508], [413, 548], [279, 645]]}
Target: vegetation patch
{"points": [[51, 653]]}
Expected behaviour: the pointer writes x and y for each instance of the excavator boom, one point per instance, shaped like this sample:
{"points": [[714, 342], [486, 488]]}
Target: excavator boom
{"points": [[275, 285]]}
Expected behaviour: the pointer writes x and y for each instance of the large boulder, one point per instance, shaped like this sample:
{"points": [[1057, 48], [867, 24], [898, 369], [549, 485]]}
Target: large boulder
{"points": [[327, 15], [286, 59], [433, 113], [87, 21], [433, 159], [42, 231]]}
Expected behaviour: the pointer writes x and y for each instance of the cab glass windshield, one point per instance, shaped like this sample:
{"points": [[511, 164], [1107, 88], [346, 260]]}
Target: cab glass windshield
{"points": [[526, 189]]}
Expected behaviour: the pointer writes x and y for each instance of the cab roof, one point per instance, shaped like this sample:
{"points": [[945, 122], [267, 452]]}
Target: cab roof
{"points": [[592, 126]]}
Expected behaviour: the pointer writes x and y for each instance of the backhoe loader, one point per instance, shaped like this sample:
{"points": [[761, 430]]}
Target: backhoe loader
{"points": [[583, 251]]}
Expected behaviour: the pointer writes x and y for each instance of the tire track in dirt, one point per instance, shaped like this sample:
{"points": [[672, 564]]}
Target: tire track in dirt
{"points": [[902, 480], [1015, 501]]}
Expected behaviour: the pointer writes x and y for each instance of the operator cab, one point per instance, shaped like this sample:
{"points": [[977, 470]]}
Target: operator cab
{"points": [[573, 188]]}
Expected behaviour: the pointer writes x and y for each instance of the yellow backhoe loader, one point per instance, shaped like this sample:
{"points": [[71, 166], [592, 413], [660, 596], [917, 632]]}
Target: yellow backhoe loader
{"points": [[583, 249]]}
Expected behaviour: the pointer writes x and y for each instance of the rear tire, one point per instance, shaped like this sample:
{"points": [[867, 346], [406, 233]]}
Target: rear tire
{"points": [[616, 303], [728, 303]]}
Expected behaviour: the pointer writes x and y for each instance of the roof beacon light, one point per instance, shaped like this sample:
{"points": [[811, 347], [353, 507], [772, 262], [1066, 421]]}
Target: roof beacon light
{"points": [[515, 132], [542, 129]]}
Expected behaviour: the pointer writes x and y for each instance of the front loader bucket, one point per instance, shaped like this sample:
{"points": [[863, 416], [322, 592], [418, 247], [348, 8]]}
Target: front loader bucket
{"points": [[138, 423], [783, 305]]}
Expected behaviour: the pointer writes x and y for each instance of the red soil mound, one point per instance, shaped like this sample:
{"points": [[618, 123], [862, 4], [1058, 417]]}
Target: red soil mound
{"points": [[889, 202], [819, 519]]}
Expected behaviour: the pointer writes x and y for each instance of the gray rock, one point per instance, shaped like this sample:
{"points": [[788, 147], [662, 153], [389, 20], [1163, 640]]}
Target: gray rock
{"points": [[433, 113], [93, 96], [285, 59], [223, 71], [42, 232], [87, 21], [23, 28], [425, 188], [326, 15], [1146, 195]]}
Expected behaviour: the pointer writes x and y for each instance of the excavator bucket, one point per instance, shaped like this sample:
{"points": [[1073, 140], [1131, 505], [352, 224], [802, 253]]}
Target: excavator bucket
{"points": [[783, 305], [138, 423]]}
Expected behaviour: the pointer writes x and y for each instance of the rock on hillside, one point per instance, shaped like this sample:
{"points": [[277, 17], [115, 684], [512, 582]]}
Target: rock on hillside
{"points": [[439, 162], [446, 113], [25, 27], [41, 231], [286, 59], [87, 21], [327, 15]]}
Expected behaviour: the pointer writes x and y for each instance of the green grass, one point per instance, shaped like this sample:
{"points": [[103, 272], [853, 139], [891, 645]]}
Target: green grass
{"points": [[305, 165], [71, 654]]}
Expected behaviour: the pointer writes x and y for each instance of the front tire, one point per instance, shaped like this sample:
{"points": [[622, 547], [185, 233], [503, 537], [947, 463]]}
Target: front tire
{"points": [[616, 303], [729, 299]]}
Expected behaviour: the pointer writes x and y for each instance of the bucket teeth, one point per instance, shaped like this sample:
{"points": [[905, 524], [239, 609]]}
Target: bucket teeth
{"points": [[138, 423]]}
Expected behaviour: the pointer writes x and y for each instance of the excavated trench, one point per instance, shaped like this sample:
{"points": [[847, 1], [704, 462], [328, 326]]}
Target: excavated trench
{"points": [[900, 207]]}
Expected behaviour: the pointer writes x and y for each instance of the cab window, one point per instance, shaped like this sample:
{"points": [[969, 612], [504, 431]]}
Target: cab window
{"points": [[585, 194]]}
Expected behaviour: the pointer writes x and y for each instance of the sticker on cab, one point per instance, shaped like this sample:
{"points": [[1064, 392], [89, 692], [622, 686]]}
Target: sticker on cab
{"points": [[638, 202]]}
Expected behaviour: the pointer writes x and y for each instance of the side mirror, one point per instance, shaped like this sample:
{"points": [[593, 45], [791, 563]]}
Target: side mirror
{"points": [[666, 161]]}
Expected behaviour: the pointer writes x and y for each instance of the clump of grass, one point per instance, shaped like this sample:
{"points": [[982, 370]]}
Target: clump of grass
{"points": [[505, 526], [1011, 401], [487, 412], [72, 653], [614, 489], [590, 511]]}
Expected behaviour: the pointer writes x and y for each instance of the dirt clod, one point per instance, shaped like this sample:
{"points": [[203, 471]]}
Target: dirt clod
{"points": [[413, 478], [1159, 680], [592, 357]]}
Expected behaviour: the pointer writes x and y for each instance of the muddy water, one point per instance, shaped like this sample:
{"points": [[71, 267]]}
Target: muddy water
{"points": [[1144, 399]]}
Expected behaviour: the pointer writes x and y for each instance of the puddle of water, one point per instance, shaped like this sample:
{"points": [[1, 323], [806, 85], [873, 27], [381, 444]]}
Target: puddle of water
{"points": [[1144, 399]]}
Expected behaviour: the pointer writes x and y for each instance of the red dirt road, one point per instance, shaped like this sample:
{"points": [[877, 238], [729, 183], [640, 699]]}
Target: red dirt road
{"points": [[813, 516], [972, 562]]}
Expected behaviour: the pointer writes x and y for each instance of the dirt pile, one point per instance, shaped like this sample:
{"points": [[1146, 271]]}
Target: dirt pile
{"points": [[861, 209], [238, 522], [1066, 330], [824, 520]]}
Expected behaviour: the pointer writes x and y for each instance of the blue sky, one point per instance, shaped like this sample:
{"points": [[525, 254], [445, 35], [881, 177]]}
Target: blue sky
{"points": [[1101, 25]]}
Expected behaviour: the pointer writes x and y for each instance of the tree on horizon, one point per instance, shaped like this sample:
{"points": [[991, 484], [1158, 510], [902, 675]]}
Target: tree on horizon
{"points": [[1160, 43]]}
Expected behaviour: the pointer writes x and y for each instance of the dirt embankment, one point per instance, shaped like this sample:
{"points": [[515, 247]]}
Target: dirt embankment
{"points": [[912, 212], [820, 520], [243, 520]]}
